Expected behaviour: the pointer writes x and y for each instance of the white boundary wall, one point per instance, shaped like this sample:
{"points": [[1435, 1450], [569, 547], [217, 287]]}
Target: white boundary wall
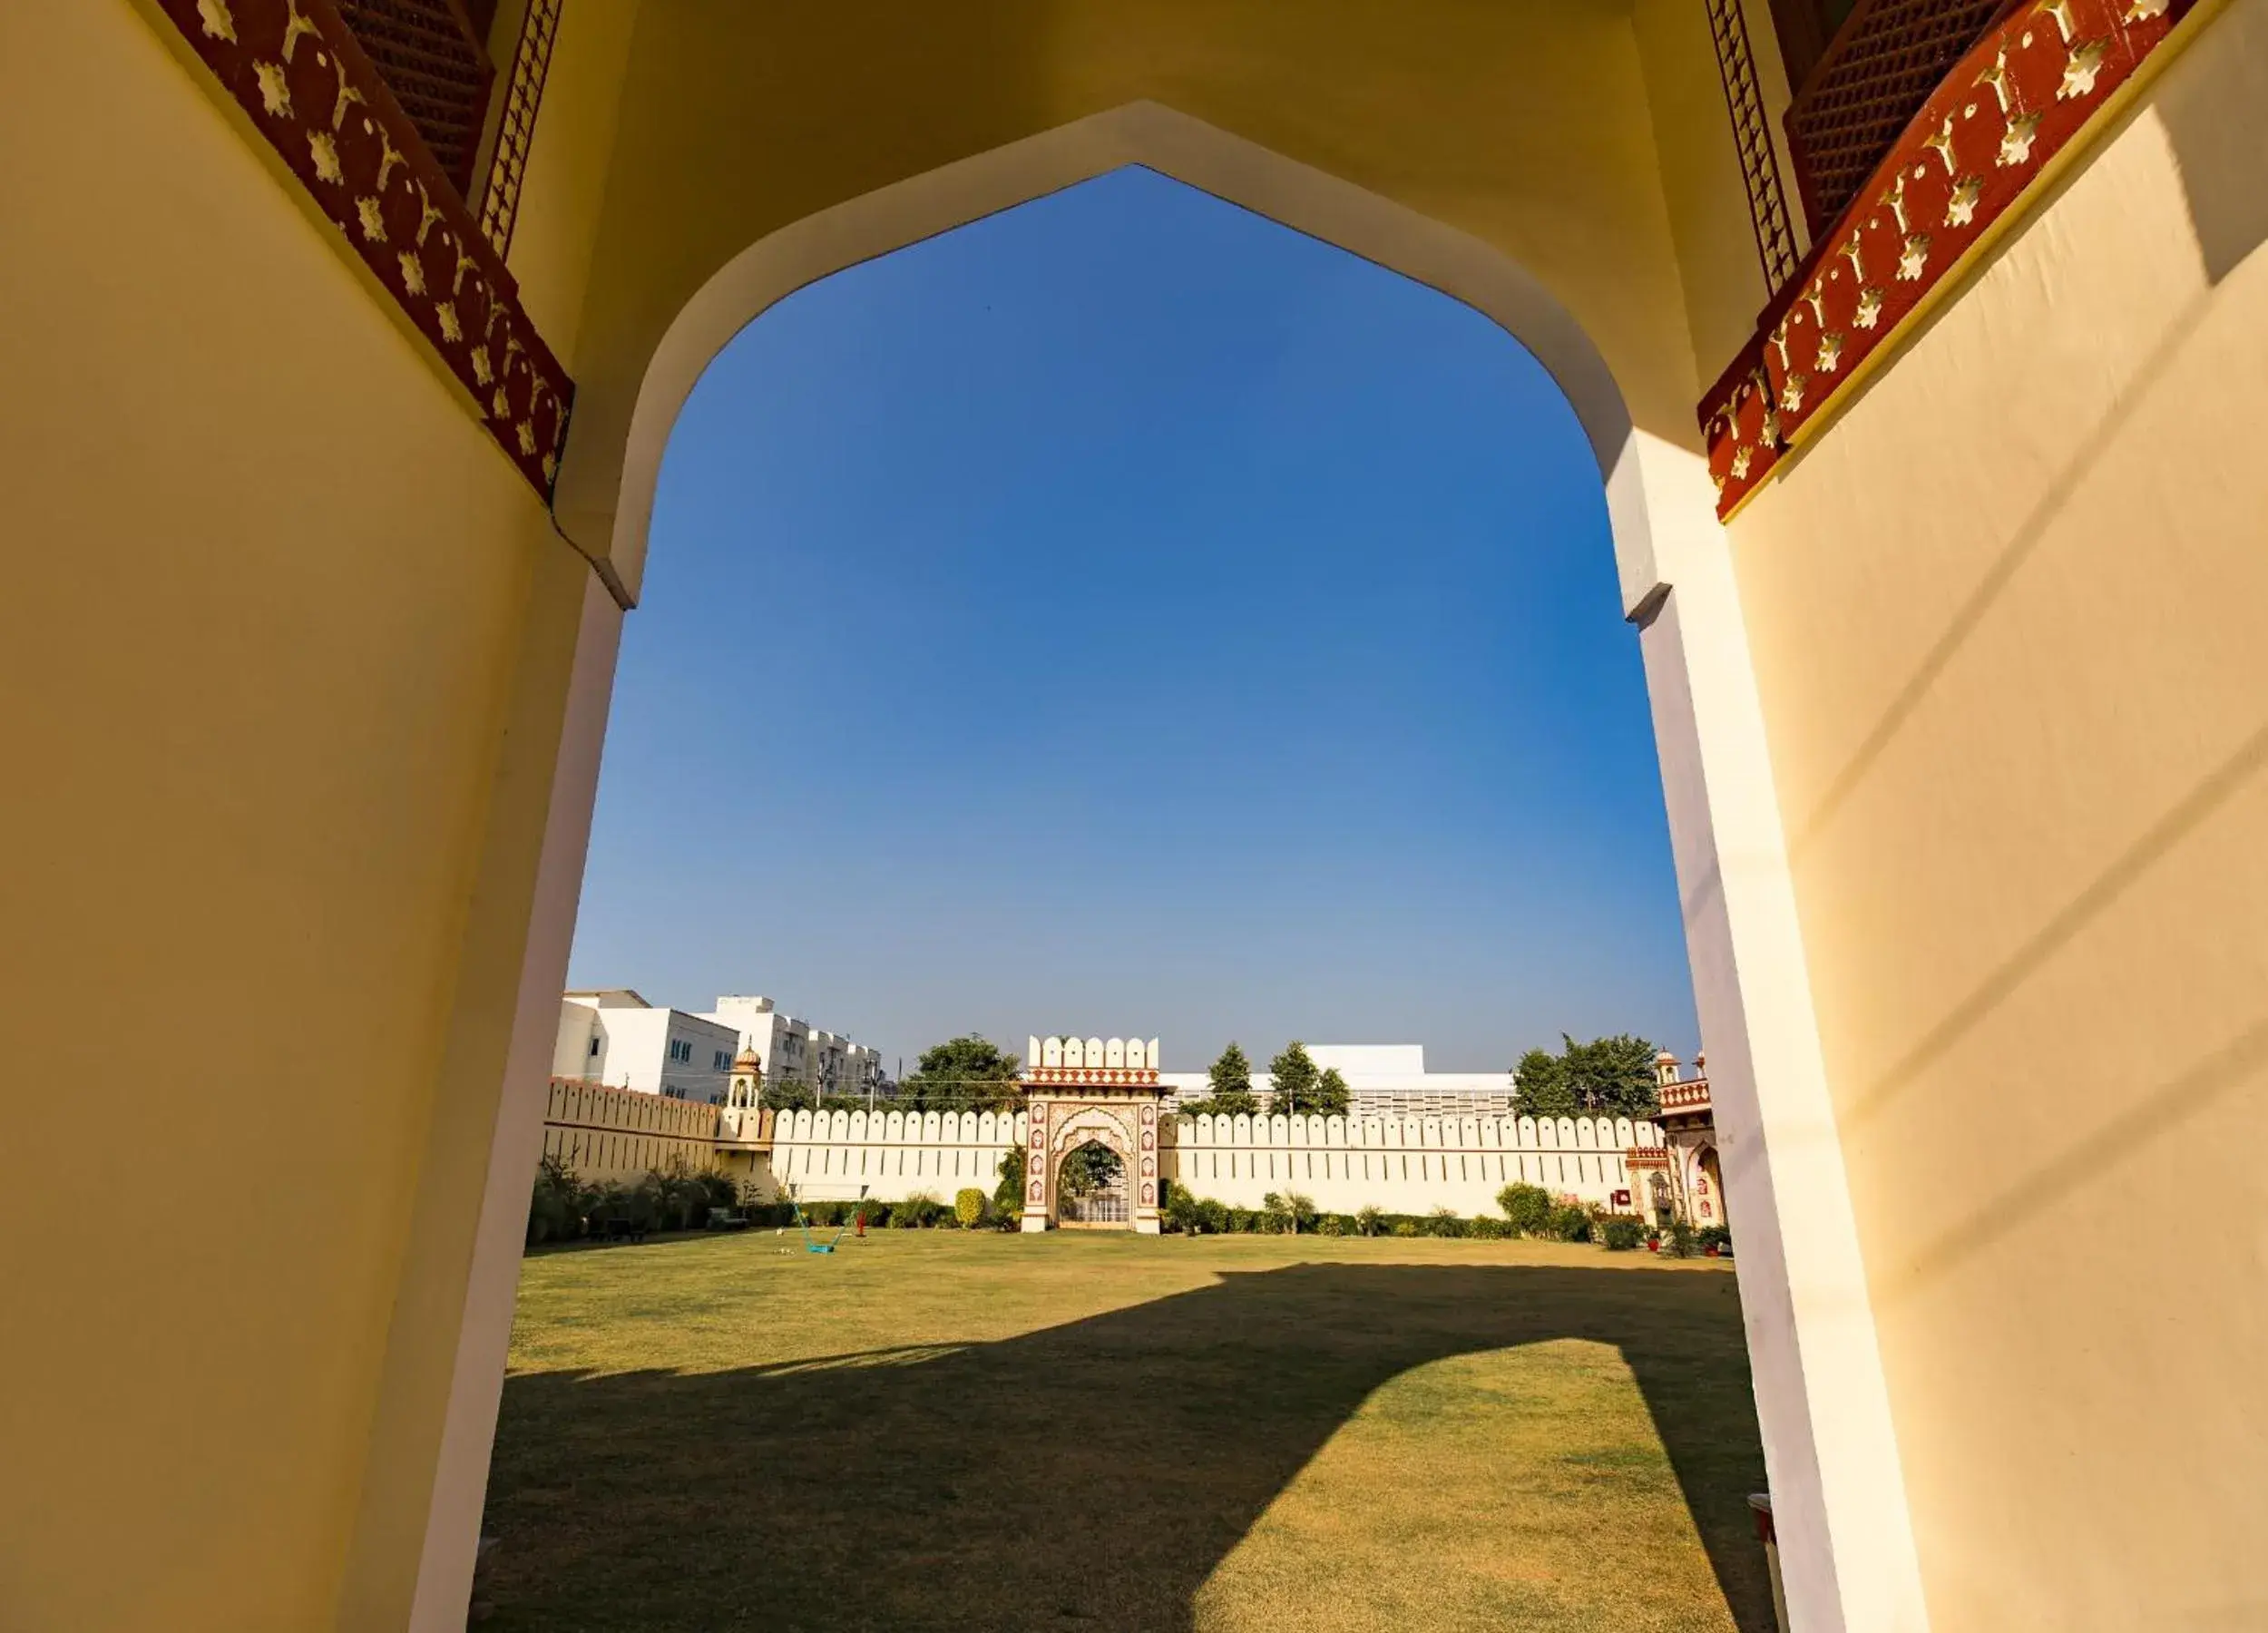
{"points": [[828, 1154], [1403, 1165]]}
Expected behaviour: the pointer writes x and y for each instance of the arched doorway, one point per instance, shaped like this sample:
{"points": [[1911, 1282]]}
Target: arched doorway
{"points": [[1093, 1187], [1677, 585], [1708, 1191], [1092, 1133]]}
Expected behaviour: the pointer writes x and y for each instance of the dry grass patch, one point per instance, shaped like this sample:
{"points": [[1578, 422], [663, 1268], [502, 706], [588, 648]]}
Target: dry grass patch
{"points": [[938, 1429]]}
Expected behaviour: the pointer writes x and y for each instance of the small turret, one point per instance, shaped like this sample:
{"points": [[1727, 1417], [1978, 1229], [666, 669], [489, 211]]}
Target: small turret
{"points": [[747, 1088]]}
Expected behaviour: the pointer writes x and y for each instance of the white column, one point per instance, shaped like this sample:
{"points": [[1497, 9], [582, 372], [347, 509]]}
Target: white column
{"points": [[444, 1572], [1845, 1535]]}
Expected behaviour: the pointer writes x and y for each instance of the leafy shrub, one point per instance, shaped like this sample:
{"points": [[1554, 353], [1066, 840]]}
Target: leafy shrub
{"points": [[968, 1206], [1487, 1227], [1008, 1195], [1334, 1225], [1371, 1221], [1677, 1241], [1570, 1222], [554, 1203], [1215, 1215], [1713, 1235], [1444, 1222], [1403, 1225], [1182, 1212], [1621, 1233], [919, 1211], [1242, 1221], [1527, 1209], [1287, 1213]]}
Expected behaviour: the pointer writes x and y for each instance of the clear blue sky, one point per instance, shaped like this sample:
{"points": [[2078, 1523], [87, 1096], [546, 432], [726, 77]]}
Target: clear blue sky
{"points": [[1125, 616]]}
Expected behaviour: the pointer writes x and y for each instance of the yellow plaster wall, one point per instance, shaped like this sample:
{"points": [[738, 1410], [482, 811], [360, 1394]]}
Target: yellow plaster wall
{"points": [[564, 184], [266, 587], [1524, 123], [2007, 619], [617, 1134], [1721, 271]]}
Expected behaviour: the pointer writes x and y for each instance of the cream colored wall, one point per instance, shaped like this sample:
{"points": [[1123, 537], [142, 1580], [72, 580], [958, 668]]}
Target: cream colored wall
{"points": [[266, 601], [1525, 126], [892, 1154], [617, 1134], [2005, 619], [564, 184], [1402, 1165], [1720, 271]]}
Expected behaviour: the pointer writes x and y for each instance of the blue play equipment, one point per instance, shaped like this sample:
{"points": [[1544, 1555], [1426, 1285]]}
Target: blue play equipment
{"points": [[810, 1243]]}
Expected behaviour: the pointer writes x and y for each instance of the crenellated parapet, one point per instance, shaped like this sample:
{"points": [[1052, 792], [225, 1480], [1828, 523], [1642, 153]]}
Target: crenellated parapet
{"points": [[1094, 1062]]}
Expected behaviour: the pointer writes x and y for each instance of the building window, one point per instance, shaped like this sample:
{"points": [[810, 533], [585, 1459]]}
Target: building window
{"points": [[594, 1047]]}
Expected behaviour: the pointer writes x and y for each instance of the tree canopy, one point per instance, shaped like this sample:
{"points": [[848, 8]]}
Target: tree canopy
{"points": [[1613, 1074], [1230, 1080], [1294, 1074], [1301, 1090], [968, 1073]]}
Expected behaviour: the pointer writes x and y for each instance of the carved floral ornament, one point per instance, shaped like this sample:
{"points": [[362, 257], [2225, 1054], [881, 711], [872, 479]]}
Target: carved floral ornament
{"points": [[295, 69], [1975, 154]]}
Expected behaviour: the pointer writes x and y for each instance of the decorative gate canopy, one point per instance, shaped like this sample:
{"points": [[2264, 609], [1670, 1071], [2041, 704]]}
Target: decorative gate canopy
{"points": [[1100, 1091]]}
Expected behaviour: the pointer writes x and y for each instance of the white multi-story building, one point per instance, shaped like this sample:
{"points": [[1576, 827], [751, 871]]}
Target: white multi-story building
{"points": [[613, 1036], [1382, 1079], [796, 1051]]}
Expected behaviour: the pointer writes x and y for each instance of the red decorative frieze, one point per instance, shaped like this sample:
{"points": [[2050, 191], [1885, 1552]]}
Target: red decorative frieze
{"points": [[1959, 174], [296, 70], [1692, 1094]]}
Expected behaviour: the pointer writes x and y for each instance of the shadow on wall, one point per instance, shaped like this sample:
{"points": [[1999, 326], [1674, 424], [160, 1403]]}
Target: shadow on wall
{"points": [[2214, 103], [1091, 1474]]}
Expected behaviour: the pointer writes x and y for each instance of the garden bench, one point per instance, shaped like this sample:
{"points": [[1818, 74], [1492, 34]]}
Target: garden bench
{"points": [[624, 1230], [726, 1218]]}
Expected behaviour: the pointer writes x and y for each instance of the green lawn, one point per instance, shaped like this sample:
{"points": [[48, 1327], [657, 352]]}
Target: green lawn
{"points": [[938, 1429]]}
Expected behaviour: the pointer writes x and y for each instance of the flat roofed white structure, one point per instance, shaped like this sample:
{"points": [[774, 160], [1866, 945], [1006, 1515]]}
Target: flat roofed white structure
{"points": [[1382, 1079], [793, 1050], [1386, 1059], [613, 1036]]}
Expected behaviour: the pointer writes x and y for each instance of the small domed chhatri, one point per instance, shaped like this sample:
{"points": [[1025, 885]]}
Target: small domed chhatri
{"points": [[746, 1090]]}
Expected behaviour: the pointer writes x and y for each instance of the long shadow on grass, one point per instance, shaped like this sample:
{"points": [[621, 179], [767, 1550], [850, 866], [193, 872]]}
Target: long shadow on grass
{"points": [[1092, 1474]]}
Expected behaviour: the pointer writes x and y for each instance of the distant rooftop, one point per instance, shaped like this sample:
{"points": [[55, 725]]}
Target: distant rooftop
{"points": [[1394, 1058]]}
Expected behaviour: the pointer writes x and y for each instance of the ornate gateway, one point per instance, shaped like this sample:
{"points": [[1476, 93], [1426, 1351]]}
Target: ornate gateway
{"points": [[1098, 1092]]}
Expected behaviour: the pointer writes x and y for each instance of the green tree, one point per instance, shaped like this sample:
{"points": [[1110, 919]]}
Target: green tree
{"points": [[968, 1073], [1230, 1078], [1614, 1075], [1333, 1098], [1092, 1167], [1294, 1075], [1008, 1195], [1541, 1087]]}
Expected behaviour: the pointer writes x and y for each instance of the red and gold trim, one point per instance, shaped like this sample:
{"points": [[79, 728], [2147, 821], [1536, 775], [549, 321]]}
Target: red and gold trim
{"points": [[295, 69], [1984, 145]]}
